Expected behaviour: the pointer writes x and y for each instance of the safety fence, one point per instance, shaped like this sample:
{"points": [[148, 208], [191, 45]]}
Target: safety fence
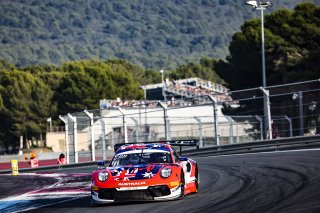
{"points": [[294, 111]]}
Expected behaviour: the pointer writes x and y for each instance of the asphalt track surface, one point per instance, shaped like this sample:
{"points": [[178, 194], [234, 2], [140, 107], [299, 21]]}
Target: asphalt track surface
{"points": [[260, 182]]}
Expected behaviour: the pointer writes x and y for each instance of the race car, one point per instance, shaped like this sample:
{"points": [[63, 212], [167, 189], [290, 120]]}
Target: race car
{"points": [[145, 172]]}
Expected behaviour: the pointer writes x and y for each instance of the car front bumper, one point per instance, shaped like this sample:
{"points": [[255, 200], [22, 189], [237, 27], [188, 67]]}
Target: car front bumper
{"points": [[151, 193]]}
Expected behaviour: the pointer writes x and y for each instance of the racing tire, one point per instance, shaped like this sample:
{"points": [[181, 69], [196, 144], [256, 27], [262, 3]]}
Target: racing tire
{"points": [[92, 203], [182, 183], [197, 179]]}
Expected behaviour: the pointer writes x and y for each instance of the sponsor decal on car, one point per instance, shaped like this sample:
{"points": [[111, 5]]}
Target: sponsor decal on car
{"points": [[94, 188], [132, 183], [126, 175], [148, 175], [176, 183]]}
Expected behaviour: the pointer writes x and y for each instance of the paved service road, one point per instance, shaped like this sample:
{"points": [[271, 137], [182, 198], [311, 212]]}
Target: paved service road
{"points": [[262, 182]]}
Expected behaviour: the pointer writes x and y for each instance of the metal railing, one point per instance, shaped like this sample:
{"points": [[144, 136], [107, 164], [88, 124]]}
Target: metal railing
{"points": [[294, 108]]}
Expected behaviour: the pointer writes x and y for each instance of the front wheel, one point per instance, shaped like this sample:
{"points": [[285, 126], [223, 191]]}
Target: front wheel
{"points": [[197, 179], [182, 183], [92, 203]]}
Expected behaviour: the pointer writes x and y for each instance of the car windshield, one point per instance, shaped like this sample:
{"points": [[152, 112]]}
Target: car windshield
{"points": [[140, 157]]}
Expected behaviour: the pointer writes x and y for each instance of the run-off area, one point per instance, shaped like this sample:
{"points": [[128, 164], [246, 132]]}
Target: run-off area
{"points": [[29, 191]]}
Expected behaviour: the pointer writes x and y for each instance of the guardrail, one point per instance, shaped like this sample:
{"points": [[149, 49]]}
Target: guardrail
{"points": [[306, 142]]}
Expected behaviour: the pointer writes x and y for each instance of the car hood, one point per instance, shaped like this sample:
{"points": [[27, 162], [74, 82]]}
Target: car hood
{"points": [[135, 172]]}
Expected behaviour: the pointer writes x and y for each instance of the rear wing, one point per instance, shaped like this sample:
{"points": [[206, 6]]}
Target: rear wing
{"points": [[180, 143]]}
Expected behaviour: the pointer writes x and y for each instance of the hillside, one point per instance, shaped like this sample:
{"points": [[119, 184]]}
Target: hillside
{"points": [[151, 33]]}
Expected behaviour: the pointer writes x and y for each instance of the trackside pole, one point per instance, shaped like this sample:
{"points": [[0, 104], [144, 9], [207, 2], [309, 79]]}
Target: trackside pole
{"points": [[103, 125], [165, 117], [261, 126], [65, 121], [230, 129], [75, 136], [268, 115], [137, 128], [290, 125], [93, 153], [301, 116], [200, 131], [125, 136], [214, 101]]}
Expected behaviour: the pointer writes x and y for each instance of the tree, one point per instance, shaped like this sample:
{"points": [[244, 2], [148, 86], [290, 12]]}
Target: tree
{"points": [[4, 65], [87, 82], [292, 40], [26, 106], [123, 66], [158, 34], [205, 70], [301, 30]]}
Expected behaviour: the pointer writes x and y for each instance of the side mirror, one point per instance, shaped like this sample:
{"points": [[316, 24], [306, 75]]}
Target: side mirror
{"points": [[183, 159], [101, 165]]}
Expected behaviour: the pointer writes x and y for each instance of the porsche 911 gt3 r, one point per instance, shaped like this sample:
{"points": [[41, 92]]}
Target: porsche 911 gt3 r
{"points": [[142, 172]]}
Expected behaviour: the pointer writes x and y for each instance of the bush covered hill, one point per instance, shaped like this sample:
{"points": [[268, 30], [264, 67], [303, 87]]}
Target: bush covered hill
{"points": [[150, 33], [31, 94]]}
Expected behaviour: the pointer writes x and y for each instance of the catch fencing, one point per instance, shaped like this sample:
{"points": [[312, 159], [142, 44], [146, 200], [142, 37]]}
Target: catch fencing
{"points": [[294, 109]]}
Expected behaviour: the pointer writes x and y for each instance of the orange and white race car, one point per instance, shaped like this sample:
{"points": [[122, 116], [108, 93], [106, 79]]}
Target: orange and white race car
{"points": [[145, 172]]}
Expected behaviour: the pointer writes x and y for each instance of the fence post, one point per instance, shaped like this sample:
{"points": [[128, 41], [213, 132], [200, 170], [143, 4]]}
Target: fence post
{"points": [[301, 113], [230, 129], [165, 116], [268, 116], [65, 121], [169, 128], [125, 136], [75, 136], [145, 119], [140, 122], [290, 124], [261, 126], [214, 101], [93, 154], [200, 131], [137, 128], [103, 125]]}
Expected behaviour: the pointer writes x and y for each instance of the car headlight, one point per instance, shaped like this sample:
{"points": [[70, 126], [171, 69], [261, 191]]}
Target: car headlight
{"points": [[165, 172], [103, 176]]}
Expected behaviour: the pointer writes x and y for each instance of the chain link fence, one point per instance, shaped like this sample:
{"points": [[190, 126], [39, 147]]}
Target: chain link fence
{"points": [[294, 108]]}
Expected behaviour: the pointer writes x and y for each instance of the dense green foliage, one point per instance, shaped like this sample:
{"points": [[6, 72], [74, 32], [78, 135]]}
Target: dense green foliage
{"points": [[205, 70], [292, 45], [151, 33], [26, 102], [29, 95], [89, 81]]}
